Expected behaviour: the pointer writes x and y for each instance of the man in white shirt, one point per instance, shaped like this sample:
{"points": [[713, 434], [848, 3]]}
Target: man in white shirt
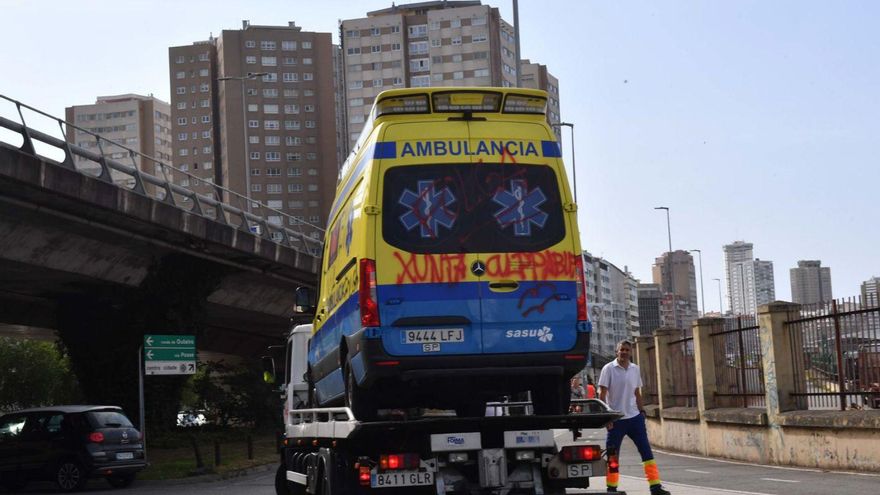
{"points": [[619, 386]]}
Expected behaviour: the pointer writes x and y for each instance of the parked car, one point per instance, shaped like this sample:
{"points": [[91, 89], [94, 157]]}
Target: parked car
{"points": [[186, 419], [68, 445]]}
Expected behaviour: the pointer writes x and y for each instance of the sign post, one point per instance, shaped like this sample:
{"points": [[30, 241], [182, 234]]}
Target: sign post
{"points": [[169, 354]]}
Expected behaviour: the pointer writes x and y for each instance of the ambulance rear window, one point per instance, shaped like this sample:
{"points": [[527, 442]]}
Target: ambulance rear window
{"points": [[472, 208]]}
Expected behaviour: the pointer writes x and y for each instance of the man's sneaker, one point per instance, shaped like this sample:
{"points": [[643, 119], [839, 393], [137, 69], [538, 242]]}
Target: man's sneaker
{"points": [[659, 490]]}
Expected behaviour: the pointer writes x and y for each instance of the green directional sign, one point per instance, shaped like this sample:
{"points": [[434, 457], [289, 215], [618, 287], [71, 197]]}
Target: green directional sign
{"points": [[169, 354]]}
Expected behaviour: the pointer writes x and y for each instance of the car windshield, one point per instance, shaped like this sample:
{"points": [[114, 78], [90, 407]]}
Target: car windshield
{"points": [[472, 208], [108, 419]]}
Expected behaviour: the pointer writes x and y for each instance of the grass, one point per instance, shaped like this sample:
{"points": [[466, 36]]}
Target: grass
{"points": [[171, 455]]}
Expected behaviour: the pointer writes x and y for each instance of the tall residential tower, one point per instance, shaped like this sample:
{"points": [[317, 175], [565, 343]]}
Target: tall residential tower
{"points": [[810, 282], [750, 282]]}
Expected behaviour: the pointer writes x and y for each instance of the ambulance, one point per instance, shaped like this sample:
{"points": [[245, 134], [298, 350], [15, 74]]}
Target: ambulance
{"points": [[451, 270]]}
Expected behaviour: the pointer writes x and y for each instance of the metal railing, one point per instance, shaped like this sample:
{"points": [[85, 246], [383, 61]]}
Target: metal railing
{"points": [[835, 349], [684, 375], [159, 188], [739, 368]]}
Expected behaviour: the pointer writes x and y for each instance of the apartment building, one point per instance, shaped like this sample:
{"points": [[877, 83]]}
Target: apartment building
{"points": [[649, 299], [612, 301], [255, 111], [440, 43], [810, 282], [677, 268], [136, 122], [750, 282]]}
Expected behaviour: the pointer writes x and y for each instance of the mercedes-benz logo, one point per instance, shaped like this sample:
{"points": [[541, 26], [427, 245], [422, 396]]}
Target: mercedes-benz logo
{"points": [[478, 268]]}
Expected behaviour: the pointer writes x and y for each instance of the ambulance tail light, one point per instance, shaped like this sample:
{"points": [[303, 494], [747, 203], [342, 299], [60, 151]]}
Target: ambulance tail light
{"points": [[367, 294], [581, 290]]}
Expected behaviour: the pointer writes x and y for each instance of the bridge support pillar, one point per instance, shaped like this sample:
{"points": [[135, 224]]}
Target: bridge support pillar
{"points": [[102, 334]]}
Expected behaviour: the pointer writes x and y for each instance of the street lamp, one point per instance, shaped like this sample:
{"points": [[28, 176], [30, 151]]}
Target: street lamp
{"points": [[702, 294], [244, 126], [573, 168], [720, 304], [669, 260]]}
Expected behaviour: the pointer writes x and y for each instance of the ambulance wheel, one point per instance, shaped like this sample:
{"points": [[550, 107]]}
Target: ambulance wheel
{"points": [[551, 399], [356, 398]]}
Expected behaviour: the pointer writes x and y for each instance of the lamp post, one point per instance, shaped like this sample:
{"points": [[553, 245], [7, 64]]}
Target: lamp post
{"points": [[702, 294], [573, 168], [244, 126], [671, 265], [720, 304]]}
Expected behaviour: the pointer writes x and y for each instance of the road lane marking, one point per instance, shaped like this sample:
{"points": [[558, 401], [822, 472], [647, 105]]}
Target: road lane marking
{"points": [[698, 471], [782, 468], [780, 481], [696, 487]]}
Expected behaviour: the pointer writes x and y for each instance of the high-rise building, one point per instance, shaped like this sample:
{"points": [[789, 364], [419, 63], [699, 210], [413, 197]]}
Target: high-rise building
{"points": [[141, 123], [650, 298], [536, 76], [685, 292], [439, 43], [810, 282], [871, 291], [750, 282], [255, 110], [614, 307]]}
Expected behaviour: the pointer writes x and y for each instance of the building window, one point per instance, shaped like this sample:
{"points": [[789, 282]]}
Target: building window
{"points": [[395, 47], [270, 77], [206, 119], [455, 23], [481, 73], [254, 124], [352, 33], [294, 188], [435, 25], [250, 59], [294, 171], [353, 50], [355, 84], [269, 61], [204, 88], [288, 45], [207, 166], [456, 58], [206, 150], [375, 31], [420, 64], [313, 187], [181, 105], [456, 40], [295, 204], [478, 21], [313, 171], [291, 108], [253, 107], [397, 81], [376, 49], [254, 139], [395, 28], [307, 45], [181, 75], [181, 121], [250, 44], [289, 60], [270, 93], [377, 83], [270, 124], [273, 140], [309, 108], [182, 136], [418, 31], [256, 187], [203, 72], [180, 59], [275, 203], [290, 77], [273, 172], [273, 188], [478, 38], [181, 90], [291, 93], [291, 125], [418, 47], [420, 81], [267, 45], [435, 43], [310, 124], [255, 171], [458, 75], [183, 152], [255, 155], [205, 103], [307, 76], [307, 61], [270, 108], [273, 156], [293, 157]]}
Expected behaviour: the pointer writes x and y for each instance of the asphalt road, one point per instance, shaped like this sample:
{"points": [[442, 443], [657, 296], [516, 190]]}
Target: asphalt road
{"points": [[682, 475]]}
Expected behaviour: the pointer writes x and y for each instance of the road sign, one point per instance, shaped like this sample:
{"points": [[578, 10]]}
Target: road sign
{"points": [[169, 354]]}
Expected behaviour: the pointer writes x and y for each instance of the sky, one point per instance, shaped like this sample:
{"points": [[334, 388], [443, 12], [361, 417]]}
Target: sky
{"points": [[750, 120]]}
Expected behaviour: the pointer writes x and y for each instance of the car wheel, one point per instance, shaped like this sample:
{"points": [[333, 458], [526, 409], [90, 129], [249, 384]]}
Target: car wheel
{"points": [[70, 476], [121, 480], [356, 400]]}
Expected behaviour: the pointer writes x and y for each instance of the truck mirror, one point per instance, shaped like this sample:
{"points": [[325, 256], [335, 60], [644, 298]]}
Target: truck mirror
{"points": [[268, 369], [305, 301]]}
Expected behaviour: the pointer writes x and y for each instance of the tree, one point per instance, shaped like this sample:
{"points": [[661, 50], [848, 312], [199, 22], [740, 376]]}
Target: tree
{"points": [[35, 374]]}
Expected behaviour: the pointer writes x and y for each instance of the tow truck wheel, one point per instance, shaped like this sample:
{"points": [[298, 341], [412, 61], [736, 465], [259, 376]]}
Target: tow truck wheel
{"points": [[553, 398], [356, 400]]}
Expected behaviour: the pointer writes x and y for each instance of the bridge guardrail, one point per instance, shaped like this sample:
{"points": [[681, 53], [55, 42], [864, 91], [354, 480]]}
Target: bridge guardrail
{"points": [[164, 190]]}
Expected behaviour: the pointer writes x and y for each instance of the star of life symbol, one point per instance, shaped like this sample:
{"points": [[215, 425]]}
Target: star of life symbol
{"points": [[427, 209], [520, 208]]}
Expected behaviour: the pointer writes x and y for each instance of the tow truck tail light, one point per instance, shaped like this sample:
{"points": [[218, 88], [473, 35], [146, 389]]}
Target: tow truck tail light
{"points": [[364, 475], [96, 437], [367, 294], [391, 462], [581, 453], [581, 289]]}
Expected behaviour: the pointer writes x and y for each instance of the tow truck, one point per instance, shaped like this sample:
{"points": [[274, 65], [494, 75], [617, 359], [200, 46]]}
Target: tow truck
{"points": [[328, 451]]}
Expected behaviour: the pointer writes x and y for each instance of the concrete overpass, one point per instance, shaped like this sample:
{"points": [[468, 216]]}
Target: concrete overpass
{"points": [[69, 236]]}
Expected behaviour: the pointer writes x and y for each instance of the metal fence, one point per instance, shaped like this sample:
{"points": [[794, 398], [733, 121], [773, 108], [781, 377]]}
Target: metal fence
{"points": [[132, 176], [835, 349], [739, 370], [684, 376]]}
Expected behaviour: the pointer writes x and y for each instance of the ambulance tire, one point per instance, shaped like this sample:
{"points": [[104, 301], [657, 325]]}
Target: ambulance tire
{"points": [[551, 399], [356, 398]]}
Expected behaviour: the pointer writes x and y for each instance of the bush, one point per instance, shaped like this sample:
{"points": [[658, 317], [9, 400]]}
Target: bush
{"points": [[35, 373], [236, 396]]}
